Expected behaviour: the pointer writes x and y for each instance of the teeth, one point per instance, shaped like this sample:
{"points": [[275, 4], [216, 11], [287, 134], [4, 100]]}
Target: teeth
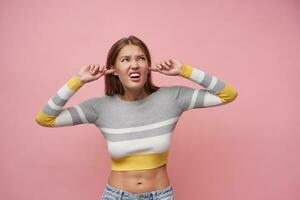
{"points": [[134, 75]]}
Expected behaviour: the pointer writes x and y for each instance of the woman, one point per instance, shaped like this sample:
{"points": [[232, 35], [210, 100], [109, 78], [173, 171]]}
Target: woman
{"points": [[136, 117]]}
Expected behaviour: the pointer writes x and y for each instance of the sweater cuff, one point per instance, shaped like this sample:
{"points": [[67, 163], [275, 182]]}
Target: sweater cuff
{"points": [[74, 83], [186, 70]]}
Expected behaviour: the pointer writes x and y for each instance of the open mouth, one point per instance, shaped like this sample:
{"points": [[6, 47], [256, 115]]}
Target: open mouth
{"points": [[135, 76]]}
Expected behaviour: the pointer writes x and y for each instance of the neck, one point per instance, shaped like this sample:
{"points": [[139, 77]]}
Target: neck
{"points": [[133, 95]]}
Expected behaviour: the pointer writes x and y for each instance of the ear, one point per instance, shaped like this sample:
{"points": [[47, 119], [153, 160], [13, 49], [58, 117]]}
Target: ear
{"points": [[114, 73]]}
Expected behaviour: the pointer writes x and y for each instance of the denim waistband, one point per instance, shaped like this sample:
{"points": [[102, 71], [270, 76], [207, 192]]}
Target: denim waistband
{"points": [[122, 194]]}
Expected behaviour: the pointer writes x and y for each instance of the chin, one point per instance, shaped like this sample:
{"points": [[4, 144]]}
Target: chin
{"points": [[136, 85]]}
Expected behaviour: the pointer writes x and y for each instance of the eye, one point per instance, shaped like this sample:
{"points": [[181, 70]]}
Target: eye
{"points": [[125, 59], [143, 58]]}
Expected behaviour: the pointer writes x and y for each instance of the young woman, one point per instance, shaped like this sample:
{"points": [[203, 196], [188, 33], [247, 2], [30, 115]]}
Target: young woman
{"points": [[136, 117]]}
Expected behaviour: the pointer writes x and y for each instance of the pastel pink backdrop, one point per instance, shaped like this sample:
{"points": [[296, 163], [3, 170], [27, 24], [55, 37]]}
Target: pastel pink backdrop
{"points": [[248, 149]]}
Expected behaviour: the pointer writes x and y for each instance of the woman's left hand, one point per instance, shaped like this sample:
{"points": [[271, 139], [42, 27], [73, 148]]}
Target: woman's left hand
{"points": [[169, 67]]}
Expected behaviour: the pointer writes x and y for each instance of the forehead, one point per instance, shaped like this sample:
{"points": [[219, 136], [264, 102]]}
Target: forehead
{"points": [[130, 50]]}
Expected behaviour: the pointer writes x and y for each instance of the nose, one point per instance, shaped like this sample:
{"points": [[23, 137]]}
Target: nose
{"points": [[135, 64]]}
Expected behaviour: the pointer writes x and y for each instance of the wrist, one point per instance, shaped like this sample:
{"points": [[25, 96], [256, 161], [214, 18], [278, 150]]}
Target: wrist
{"points": [[80, 79]]}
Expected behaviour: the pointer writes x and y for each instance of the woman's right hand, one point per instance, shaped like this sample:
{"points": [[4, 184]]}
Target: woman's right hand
{"points": [[92, 72]]}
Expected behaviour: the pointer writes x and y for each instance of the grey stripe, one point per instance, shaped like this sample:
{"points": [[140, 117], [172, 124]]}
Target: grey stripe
{"points": [[218, 87], [75, 115], [88, 112], [140, 134], [200, 98], [58, 101], [184, 96], [207, 80], [49, 111]]}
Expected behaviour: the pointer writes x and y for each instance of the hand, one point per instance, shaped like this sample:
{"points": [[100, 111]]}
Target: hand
{"points": [[92, 72], [169, 67]]}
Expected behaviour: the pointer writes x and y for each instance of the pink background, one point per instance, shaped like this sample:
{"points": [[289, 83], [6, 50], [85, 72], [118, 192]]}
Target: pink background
{"points": [[248, 149]]}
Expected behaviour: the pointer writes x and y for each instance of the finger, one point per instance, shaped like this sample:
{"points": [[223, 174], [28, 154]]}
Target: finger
{"points": [[102, 68], [91, 68], [164, 65], [95, 68], [166, 62], [107, 68], [156, 68], [169, 62], [159, 66], [153, 68], [109, 71]]}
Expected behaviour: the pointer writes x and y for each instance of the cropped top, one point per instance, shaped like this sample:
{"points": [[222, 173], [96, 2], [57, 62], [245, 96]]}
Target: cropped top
{"points": [[138, 133]]}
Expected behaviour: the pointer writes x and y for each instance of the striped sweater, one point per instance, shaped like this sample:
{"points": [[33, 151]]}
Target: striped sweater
{"points": [[138, 133]]}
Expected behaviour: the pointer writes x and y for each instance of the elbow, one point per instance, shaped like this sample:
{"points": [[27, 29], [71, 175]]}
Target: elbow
{"points": [[44, 120]]}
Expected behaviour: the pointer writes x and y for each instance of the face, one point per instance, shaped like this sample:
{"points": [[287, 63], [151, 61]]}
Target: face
{"points": [[130, 59]]}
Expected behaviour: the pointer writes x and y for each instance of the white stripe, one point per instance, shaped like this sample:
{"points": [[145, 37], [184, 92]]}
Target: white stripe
{"points": [[65, 92], [212, 83], [197, 75], [140, 128], [64, 119], [211, 100], [81, 114], [53, 105], [193, 100], [156, 144]]}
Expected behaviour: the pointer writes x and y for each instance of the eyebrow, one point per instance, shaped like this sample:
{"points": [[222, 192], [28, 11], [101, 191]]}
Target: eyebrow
{"points": [[136, 56]]}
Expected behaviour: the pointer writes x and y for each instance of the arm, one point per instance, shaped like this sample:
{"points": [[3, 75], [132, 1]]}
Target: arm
{"points": [[216, 91], [54, 115]]}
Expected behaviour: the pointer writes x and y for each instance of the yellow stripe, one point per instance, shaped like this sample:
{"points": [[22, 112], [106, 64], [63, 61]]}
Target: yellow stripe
{"points": [[74, 83], [186, 70], [138, 162], [228, 94], [45, 120]]}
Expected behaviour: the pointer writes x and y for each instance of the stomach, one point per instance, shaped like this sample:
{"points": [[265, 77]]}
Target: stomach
{"points": [[140, 181]]}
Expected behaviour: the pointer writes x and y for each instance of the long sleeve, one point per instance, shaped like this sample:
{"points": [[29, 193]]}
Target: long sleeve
{"points": [[54, 114], [216, 92]]}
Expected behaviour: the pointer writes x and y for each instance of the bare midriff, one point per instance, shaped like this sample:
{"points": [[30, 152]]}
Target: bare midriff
{"points": [[140, 181]]}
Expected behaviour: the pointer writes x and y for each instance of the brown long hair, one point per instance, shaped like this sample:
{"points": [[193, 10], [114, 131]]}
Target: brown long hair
{"points": [[112, 83]]}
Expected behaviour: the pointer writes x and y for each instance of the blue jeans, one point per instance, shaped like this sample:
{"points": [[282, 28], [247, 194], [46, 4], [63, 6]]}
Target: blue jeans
{"points": [[113, 193]]}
